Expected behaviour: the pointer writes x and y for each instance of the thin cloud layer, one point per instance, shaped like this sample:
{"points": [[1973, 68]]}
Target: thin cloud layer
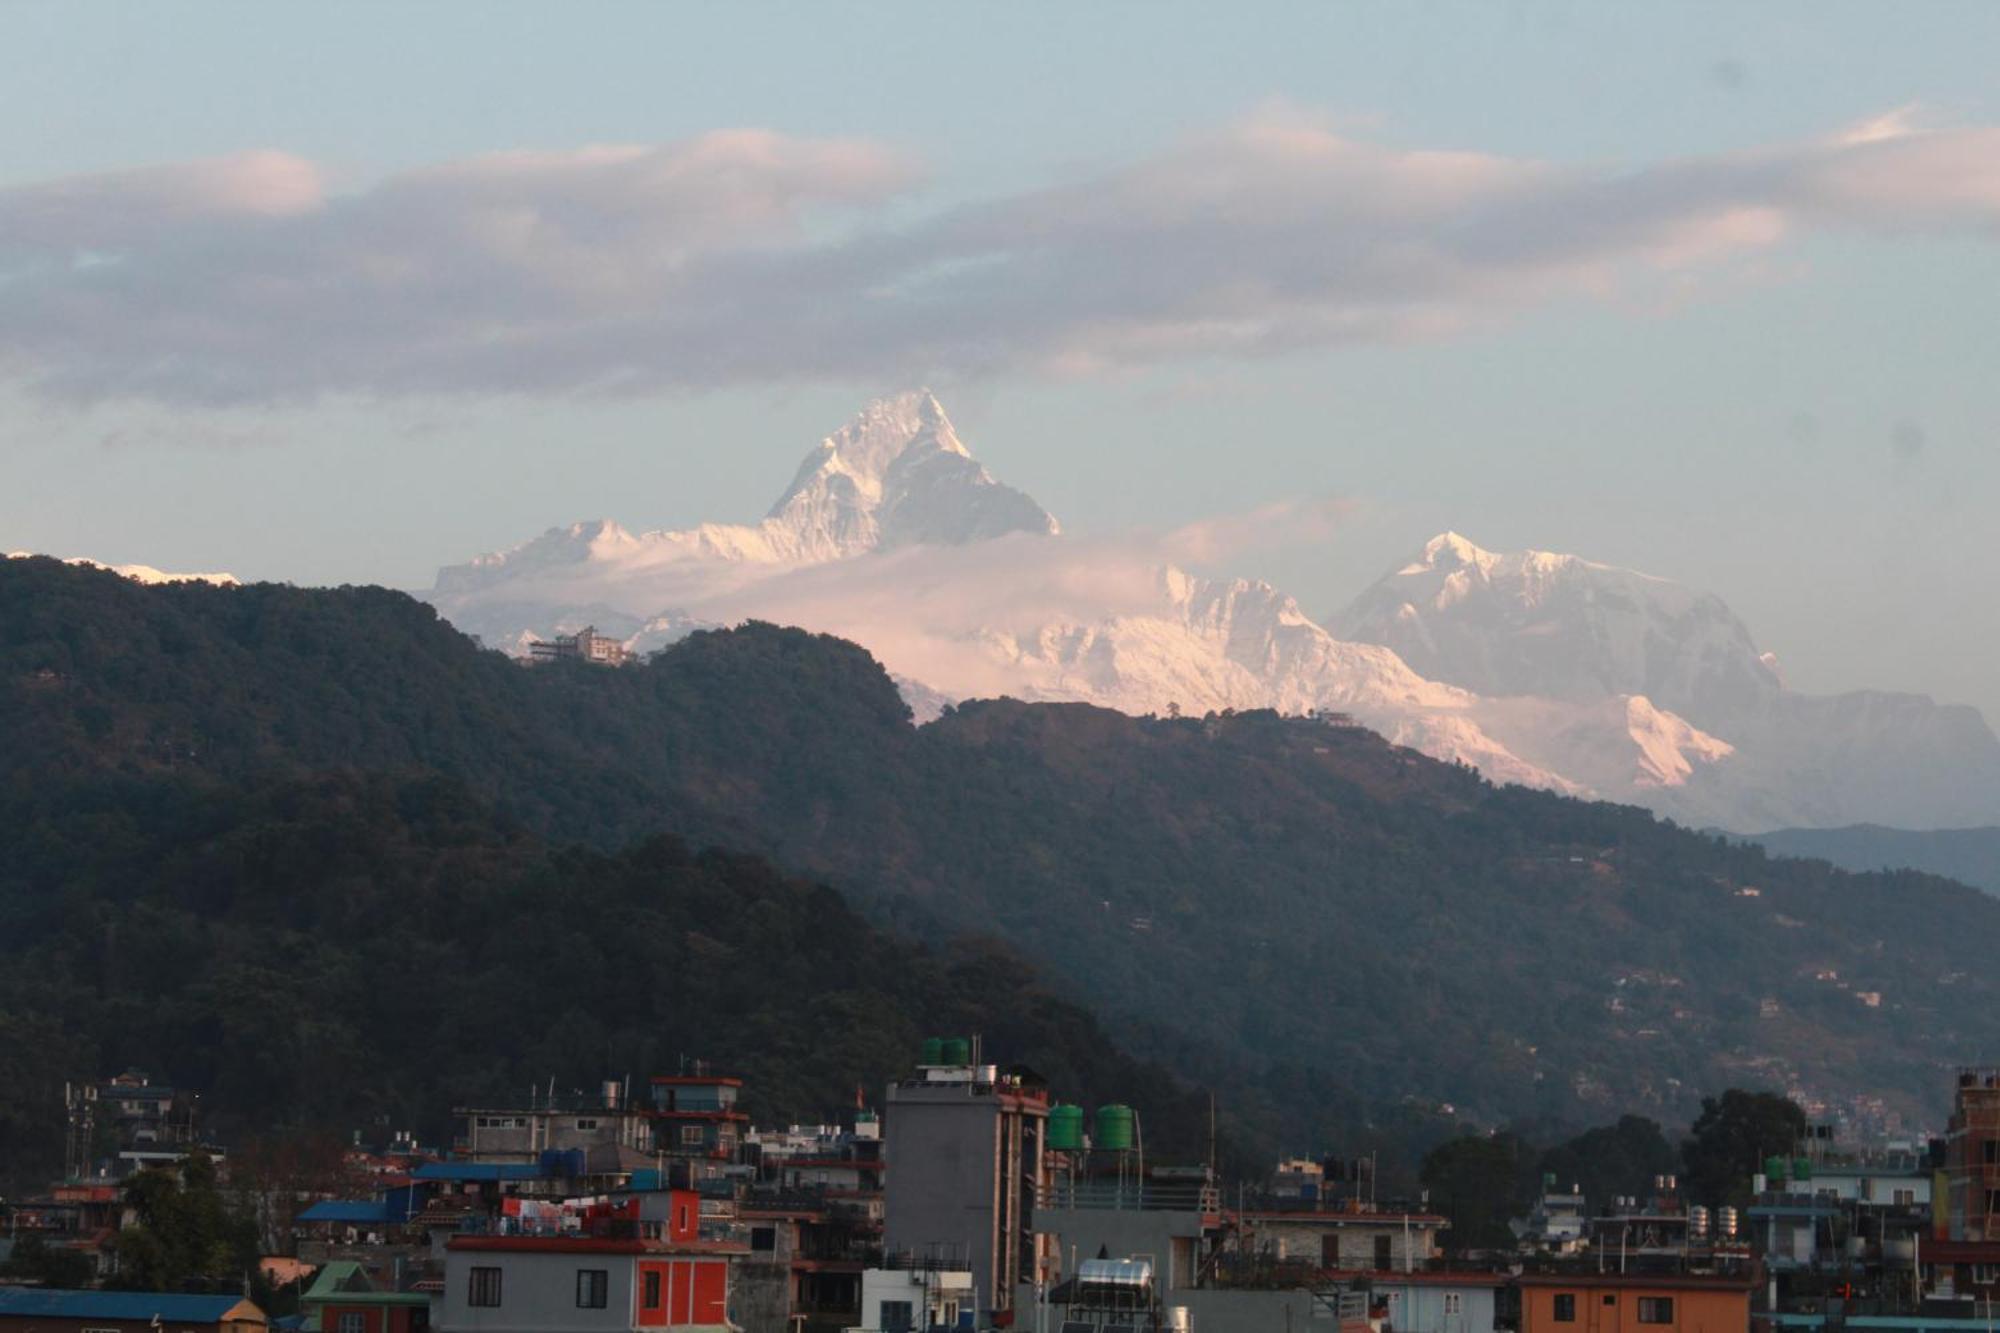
{"points": [[749, 256]]}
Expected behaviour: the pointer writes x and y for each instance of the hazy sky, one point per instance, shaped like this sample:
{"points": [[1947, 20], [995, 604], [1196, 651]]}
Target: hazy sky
{"points": [[345, 293]]}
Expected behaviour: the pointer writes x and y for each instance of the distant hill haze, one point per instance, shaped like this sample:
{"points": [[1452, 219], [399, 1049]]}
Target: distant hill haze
{"points": [[1968, 855], [1540, 669]]}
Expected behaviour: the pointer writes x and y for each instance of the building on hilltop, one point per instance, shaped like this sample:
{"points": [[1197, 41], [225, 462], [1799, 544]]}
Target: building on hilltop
{"points": [[586, 645]]}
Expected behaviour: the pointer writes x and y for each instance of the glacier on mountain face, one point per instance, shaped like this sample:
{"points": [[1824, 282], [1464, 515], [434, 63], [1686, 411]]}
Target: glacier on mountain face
{"points": [[1533, 624], [1541, 669]]}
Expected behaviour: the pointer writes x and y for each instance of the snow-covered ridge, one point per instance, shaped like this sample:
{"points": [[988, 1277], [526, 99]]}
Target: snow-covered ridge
{"points": [[139, 573], [1538, 668]]}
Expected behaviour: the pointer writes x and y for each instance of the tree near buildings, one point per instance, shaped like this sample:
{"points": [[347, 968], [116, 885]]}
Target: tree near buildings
{"points": [[1479, 1183], [185, 1234], [1731, 1138]]}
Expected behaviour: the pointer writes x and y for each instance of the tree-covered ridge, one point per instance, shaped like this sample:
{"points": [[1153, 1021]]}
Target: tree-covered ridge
{"points": [[346, 950], [1311, 920]]}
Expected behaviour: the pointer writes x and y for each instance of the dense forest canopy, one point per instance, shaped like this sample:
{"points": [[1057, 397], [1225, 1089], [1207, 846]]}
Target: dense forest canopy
{"points": [[326, 818]]}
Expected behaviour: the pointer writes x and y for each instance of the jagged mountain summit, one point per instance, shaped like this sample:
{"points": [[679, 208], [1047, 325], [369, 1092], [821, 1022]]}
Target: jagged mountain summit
{"points": [[1544, 670], [897, 475], [1558, 627]]}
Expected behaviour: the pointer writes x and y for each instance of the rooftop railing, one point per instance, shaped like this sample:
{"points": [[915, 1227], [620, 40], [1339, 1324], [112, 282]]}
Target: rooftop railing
{"points": [[1130, 1195]]}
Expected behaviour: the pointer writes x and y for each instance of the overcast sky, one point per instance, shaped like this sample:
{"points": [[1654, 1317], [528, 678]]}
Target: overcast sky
{"points": [[343, 294]]}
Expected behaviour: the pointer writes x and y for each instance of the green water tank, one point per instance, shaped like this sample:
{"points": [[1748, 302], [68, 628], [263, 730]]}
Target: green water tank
{"points": [[1802, 1168], [933, 1051], [1774, 1167], [1066, 1127], [957, 1051], [1115, 1128]]}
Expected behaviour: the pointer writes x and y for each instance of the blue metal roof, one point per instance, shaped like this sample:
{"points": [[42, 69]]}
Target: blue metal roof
{"points": [[348, 1210], [43, 1303], [478, 1171]]}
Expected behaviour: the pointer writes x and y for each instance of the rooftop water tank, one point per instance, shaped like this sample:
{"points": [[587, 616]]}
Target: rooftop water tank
{"points": [[957, 1052], [1066, 1127], [1115, 1127], [933, 1051], [1802, 1168]]}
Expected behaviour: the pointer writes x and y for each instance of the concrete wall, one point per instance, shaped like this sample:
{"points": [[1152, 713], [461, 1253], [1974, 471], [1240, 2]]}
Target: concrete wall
{"points": [[538, 1293], [760, 1296], [1224, 1311], [549, 1129], [942, 1178], [1169, 1238], [1303, 1240]]}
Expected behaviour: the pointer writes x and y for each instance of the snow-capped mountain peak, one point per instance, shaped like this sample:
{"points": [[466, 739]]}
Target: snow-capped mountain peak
{"points": [[1449, 551], [1542, 623], [898, 475], [1537, 667]]}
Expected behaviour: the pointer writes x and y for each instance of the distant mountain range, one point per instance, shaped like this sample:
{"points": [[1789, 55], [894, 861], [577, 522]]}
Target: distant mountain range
{"points": [[1540, 669], [1968, 855]]}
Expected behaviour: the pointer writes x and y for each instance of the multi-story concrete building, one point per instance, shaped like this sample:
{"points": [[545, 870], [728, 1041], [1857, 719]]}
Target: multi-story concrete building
{"points": [[552, 1122], [643, 1268], [695, 1115], [965, 1164]]}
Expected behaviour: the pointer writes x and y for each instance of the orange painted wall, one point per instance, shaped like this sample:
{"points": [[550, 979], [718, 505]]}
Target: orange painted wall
{"points": [[692, 1291], [1616, 1310]]}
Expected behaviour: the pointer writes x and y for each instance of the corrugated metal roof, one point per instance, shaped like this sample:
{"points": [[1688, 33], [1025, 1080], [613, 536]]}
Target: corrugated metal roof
{"points": [[347, 1210], [43, 1303], [478, 1171]]}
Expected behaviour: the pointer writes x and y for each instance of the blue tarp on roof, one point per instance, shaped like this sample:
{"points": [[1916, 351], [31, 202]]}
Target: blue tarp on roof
{"points": [[41, 1303], [477, 1171], [347, 1210]]}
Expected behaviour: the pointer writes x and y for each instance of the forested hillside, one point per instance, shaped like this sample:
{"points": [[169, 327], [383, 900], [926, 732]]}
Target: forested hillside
{"points": [[1308, 918], [356, 950]]}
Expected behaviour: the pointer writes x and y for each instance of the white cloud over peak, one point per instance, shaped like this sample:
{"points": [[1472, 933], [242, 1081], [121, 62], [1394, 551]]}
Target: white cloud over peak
{"points": [[747, 255]]}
